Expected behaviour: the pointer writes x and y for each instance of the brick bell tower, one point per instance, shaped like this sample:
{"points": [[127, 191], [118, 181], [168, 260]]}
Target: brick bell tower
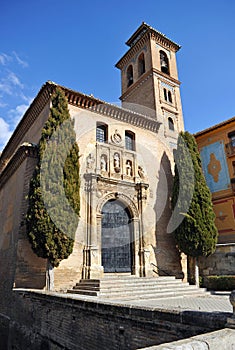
{"points": [[150, 82]]}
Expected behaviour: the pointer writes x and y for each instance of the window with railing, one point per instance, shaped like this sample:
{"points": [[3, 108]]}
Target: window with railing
{"points": [[101, 132], [230, 147], [130, 140]]}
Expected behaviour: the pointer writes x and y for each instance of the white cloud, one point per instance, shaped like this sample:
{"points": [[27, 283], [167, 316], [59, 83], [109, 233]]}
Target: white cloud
{"points": [[2, 104], [8, 83], [4, 58], [13, 79], [21, 62], [5, 87], [16, 114], [5, 132], [6, 128], [27, 99]]}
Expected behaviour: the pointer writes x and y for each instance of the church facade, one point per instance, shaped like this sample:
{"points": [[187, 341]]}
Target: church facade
{"points": [[126, 167]]}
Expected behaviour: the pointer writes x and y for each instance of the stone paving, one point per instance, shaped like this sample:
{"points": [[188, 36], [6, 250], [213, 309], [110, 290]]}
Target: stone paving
{"points": [[206, 303]]}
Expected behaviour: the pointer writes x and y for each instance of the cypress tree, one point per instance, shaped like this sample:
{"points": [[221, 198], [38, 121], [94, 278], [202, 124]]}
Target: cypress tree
{"points": [[53, 198], [196, 235]]}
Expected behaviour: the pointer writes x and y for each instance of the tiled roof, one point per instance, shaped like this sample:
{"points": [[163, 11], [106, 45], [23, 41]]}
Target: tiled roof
{"points": [[216, 126], [142, 30]]}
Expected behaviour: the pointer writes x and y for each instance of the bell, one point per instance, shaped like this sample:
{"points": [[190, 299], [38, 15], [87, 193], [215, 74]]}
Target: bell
{"points": [[163, 64]]}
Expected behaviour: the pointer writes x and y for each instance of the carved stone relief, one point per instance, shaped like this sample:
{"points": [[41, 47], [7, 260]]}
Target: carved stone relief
{"points": [[116, 162], [90, 162], [141, 172], [116, 138], [129, 171], [103, 163]]}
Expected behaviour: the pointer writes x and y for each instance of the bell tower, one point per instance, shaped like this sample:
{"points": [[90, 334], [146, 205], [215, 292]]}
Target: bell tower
{"points": [[149, 76]]}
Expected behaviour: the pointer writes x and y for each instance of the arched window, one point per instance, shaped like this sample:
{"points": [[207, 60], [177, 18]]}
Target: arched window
{"points": [[169, 96], [164, 62], [101, 132], [141, 64], [129, 75], [231, 136], [171, 124], [130, 140], [165, 94]]}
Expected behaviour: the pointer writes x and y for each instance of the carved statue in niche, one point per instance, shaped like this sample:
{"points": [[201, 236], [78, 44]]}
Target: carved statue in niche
{"points": [[129, 168], [116, 162], [141, 172], [90, 160], [103, 163]]}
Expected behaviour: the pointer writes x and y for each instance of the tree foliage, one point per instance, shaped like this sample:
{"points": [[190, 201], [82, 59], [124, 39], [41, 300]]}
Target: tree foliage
{"points": [[196, 235], [54, 201]]}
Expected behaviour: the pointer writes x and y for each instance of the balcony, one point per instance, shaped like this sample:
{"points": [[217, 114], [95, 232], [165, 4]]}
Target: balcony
{"points": [[230, 149]]}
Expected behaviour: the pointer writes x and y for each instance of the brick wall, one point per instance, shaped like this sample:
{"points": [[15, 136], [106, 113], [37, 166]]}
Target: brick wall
{"points": [[57, 321]]}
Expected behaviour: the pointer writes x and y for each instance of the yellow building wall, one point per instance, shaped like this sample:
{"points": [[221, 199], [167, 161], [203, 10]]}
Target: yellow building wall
{"points": [[223, 199]]}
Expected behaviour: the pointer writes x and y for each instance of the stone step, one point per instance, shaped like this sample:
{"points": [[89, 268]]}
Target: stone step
{"points": [[133, 280], [132, 287], [141, 295], [153, 296], [149, 290], [130, 284], [83, 292]]}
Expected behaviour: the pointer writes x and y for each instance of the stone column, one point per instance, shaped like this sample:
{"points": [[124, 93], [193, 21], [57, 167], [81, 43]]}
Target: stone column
{"points": [[141, 195], [231, 320], [136, 246], [91, 262]]}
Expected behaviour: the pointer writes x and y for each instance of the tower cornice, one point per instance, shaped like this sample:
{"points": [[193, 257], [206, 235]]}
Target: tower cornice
{"points": [[132, 51], [146, 28], [166, 76], [142, 34]]}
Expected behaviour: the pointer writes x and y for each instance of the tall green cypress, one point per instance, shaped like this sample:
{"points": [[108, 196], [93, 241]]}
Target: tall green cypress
{"points": [[196, 235], [54, 201]]}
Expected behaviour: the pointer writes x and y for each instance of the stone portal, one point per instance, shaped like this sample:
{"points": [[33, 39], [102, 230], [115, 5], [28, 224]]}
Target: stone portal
{"points": [[116, 237]]}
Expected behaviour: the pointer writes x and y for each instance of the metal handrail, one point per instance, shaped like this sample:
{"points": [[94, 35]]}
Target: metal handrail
{"points": [[159, 270]]}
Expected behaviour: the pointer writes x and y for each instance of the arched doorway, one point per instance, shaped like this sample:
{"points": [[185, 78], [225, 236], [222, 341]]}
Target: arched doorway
{"points": [[116, 237]]}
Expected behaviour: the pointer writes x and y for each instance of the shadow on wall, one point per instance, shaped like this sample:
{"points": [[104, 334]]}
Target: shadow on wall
{"points": [[166, 253]]}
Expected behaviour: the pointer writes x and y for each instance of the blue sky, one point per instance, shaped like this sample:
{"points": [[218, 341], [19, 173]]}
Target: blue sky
{"points": [[76, 44]]}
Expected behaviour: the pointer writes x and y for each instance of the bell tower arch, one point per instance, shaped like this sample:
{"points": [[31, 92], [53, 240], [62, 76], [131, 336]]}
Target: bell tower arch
{"points": [[149, 79]]}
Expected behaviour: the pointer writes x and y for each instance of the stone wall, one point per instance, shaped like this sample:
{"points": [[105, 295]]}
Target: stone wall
{"points": [[41, 321], [222, 339], [222, 262]]}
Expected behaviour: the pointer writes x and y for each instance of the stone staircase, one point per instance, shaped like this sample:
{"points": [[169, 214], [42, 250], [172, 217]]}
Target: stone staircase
{"points": [[131, 288]]}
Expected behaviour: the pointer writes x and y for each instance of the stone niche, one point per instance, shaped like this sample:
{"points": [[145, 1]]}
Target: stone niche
{"points": [[115, 162]]}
